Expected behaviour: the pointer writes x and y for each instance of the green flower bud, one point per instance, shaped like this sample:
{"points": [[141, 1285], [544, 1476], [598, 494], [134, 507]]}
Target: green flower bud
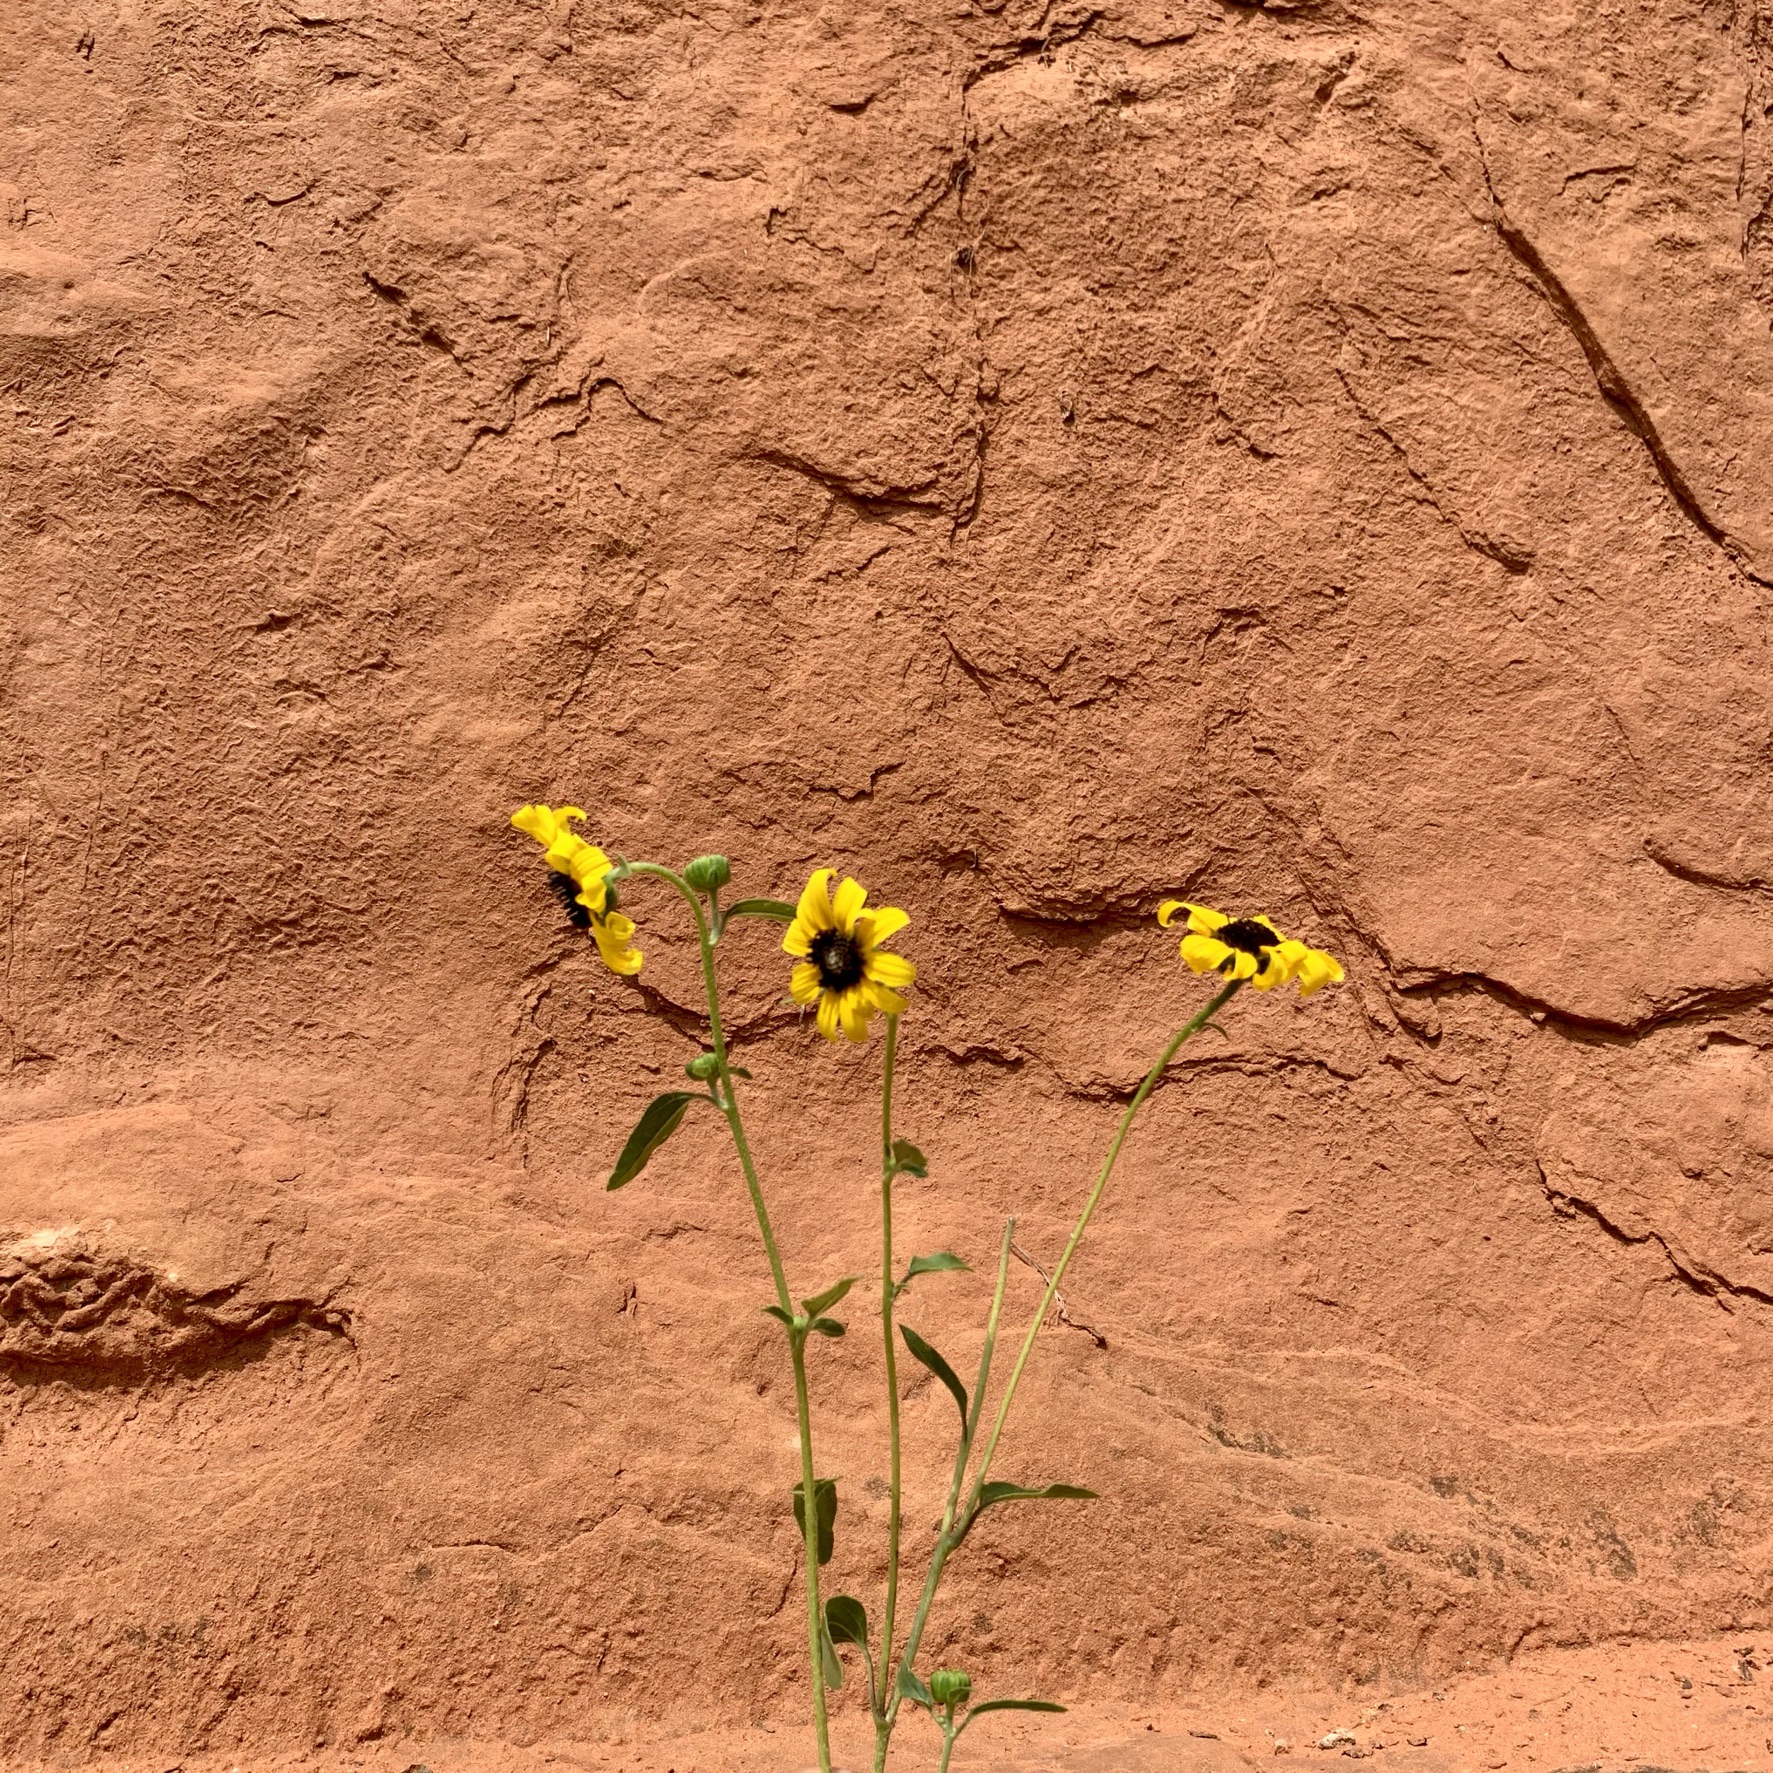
{"points": [[702, 1067], [708, 873], [951, 1686]]}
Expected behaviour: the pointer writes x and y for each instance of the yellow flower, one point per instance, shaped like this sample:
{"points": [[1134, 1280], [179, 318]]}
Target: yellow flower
{"points": [[581, 872], [843, 967], [1249, 948]]}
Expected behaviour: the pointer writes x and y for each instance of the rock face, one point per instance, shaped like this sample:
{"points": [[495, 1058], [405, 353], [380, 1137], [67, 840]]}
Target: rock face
{"points": [[1041, 459]]}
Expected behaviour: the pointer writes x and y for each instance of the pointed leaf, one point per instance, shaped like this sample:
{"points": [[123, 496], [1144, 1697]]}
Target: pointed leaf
{"points": [[847, 1620], [825, 1300], [776, 1311], [943, 1262], [908, 1158], [910, 1687], [1008, 1705], [832, 1661], [923, 1352], [995, 1493], [825, 1490], [992, 1494], [662, 1117], [826, 1326], [779, 909]]}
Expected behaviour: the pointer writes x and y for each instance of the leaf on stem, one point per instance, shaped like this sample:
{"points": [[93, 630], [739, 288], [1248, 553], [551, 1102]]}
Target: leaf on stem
{"points": [[779, 909], [943, 1262], [777, 1312], [992, 1494], [832, 1661], [826, 1326], [847, 1620], [825, 1300], [910, 1687], [1008, 1705], [664, 1114], [923, 1352], [908, 1159], [825, 1491]]}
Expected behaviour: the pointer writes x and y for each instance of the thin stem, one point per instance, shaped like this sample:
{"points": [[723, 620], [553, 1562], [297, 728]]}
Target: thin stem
{"points": [[944, 1541], [809, 1507], [1191, 1027], [950, 1736], [809, 1517], [887, 1289], [730, 1105]]}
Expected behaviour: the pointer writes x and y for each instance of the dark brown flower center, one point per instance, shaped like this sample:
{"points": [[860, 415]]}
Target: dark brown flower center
{"points": [[1249, 937], [838, 958]]}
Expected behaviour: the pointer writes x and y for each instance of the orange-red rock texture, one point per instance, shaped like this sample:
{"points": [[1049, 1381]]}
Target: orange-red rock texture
{"points": [[1315, 457]]}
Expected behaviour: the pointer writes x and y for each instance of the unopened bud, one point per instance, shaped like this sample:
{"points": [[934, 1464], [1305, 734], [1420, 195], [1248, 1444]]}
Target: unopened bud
{"points": [[703, 1066], [950, 1686], [708, 873]]}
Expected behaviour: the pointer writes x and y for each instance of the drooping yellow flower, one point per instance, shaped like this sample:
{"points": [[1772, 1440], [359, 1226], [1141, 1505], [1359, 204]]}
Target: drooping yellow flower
{"points": [[1249, 948], [581, 872], [843, 968]]}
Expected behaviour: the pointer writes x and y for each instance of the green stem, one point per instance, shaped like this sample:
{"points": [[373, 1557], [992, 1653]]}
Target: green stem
{"points": [[887, 1289], [950, 1736], [809, 1516], [945, 1540], [1191, 1027], [809, 1509]]}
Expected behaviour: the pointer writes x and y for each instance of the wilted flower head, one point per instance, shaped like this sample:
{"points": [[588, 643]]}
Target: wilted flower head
{"points": [[590, 900]]}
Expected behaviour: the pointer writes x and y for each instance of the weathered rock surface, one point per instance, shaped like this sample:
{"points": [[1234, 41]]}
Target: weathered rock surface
{"points": [[1040, 458]]}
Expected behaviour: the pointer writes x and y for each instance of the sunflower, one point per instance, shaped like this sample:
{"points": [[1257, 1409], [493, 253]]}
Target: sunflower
{"points": [[843, 967], [581, 872], [1249, 948]]}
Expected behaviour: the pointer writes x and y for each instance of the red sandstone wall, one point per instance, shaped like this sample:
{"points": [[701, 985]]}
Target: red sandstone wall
{"points": [[1317, 457]]}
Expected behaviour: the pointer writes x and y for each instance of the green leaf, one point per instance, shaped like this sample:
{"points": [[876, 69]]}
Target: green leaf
{"points": [[825, 1300], [779, 909], [1008, 1705], [908, 1158], [847, 1620], [826, 1326], [776, 1311], [833, 1662], [910, 1687], [992, 1494], [923, 1352], [662, 1118], [995, 1493], [825, 1490], [943, 1262]]}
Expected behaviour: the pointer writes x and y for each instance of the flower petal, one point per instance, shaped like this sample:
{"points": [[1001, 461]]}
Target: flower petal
{"points": [[854, 1010], [1203, 954], [611, 935], [799, 940], [888, 1001], [814, 909], [1166, 912], [1203, 920], [887, 968], [803, 983], [1317, 970], [846, 902], [828, 1014], [880, 925]]}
